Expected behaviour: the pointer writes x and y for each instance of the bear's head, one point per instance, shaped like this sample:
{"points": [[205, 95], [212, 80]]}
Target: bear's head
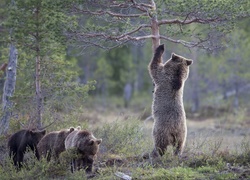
{"points": [[175, 70], [87, 143], [36, 136]]}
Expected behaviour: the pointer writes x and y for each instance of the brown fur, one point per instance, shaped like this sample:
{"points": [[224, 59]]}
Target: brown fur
{"points": [[86, 146], [22, 139], [53, 143], [167, 107]]}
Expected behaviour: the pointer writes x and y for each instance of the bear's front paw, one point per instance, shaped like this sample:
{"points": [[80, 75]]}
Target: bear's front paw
{"points": [[161, 47]]}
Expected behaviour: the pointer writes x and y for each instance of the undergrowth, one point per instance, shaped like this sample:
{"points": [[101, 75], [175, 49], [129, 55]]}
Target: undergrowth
{"points": [[123, 143]]}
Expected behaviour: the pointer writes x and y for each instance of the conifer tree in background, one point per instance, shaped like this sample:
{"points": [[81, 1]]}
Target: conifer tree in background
{"points": [[9, 84], [9, 88], [39, 27]]}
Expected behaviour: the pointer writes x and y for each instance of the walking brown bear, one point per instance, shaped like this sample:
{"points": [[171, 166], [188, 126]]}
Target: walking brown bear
{"points": [[52, 144], [85, 146], [19, 142], [167, 108]]}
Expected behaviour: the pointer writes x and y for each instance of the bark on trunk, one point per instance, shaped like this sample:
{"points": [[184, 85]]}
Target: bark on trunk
{"points": [[38, 92], [154, 27], [194, 77], [9, 88], [236, 97], [155, 32], [138, 58], [38, 75]]}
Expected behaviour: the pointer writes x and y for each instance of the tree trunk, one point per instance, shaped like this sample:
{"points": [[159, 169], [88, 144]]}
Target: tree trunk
{"points": [[9, 88], [194, 78], [138, 60], [38, 92], [236, 97], [224, 89], [38, 75], [155, 27], [155, 32]]}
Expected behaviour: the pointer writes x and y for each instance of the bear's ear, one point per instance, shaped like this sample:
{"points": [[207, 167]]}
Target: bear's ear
{"points": [[189, 62], [71, 129], [78, 128], [43, 132], [98, 141], [174, 57], [91, 142]]}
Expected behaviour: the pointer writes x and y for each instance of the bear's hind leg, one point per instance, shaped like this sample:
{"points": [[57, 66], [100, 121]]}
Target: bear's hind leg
{"points": [[178, 146], [19, 159], [160, 148], [73, 165], [14, 158]]}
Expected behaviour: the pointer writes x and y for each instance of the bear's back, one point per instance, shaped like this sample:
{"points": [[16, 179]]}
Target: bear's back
{"points": [[47, 140], [74, 137], [70, 139], [16, 138]]}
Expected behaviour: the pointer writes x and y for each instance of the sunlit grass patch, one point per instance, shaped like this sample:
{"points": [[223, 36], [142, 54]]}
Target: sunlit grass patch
{"points": [[168, 174]]}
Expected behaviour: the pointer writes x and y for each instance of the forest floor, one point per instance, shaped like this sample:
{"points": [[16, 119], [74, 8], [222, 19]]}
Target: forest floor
{"points": [[214, 150]]}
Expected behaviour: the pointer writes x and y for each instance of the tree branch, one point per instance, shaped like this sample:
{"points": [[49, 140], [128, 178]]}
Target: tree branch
{"points": [[194, 20], [142, 6], [110, 37], [187, 43], [113, 14], [135, 30]]}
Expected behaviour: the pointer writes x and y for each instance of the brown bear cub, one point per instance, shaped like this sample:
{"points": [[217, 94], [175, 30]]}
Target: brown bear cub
{"points": [[85, 146], [22, 139], [52, 144], [167, 108]]}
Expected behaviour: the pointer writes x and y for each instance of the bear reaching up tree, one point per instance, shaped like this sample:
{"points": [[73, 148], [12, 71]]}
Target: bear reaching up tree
{"points": [[52, 144], [22, 139], [85, 146], [167, 108]]}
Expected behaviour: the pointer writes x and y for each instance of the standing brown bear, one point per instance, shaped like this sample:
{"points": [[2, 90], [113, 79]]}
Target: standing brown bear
{"points": [[167, 108], [52, 144], [22, 139], [85, 146]]}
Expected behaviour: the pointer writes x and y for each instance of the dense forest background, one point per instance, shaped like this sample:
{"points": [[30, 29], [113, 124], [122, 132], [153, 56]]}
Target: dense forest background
{"points": [[115, 75], [70, 63]]}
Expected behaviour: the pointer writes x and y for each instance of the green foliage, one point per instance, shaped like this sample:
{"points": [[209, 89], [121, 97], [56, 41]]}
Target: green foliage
{"points": [[38, 29], [121, 62], [122, 137], [40, 22], [228, 11]]}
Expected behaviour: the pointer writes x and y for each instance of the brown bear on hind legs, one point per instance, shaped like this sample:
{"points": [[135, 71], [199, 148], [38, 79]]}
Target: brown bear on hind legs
{"points": [[85, 146], [167, 108], [52, 144], [22, 139]]}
